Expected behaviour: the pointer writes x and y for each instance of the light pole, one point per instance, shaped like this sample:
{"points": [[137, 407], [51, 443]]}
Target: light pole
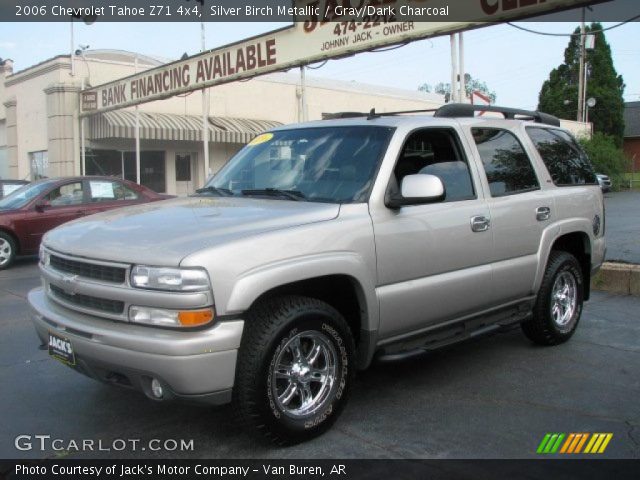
{"points": [[590, 104]]}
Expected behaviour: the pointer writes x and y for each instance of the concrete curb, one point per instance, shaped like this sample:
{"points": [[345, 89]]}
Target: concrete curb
{"points": [[621, 278]]}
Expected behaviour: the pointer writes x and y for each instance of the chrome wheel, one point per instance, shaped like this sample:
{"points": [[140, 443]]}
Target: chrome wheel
{"points": [[304, 373], [5, 252], [564, 298]]}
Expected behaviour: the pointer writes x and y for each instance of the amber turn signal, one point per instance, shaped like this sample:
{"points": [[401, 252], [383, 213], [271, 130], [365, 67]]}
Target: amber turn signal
{"points": [[193, 318]]}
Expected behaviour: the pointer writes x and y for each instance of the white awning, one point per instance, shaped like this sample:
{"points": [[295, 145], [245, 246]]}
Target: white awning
{"points": [[164, 126]]}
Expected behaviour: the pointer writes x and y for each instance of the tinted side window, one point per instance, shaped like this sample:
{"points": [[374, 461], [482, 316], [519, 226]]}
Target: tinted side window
{"points": [[436, 152], [507, 165], [565, 160]]}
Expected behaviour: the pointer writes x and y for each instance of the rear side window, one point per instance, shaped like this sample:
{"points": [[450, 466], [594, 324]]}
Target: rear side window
{"points": [[107, 191], [566, 161], [507, 165]]}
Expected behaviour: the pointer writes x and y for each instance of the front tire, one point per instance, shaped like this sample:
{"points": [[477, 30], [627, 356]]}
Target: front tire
{"points": [[7, 250], [558, 307], [295, 368]]}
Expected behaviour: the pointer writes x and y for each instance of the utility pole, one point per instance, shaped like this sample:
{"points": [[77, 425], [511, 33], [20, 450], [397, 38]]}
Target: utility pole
{"points": [[581, 74]]}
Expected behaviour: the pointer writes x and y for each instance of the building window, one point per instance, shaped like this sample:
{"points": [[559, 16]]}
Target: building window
{"points": [[39, 164], [183, 167]]}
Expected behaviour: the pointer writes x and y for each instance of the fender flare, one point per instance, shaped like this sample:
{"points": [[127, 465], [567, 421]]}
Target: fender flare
{"points": [[549, 237], [254, 283]]}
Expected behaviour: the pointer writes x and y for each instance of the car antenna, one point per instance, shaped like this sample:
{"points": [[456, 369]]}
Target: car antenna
{"points": [[372, 114]]}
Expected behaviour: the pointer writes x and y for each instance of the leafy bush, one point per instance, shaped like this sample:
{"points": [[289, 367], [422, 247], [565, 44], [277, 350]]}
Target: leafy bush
{"points": [[606, 157]]}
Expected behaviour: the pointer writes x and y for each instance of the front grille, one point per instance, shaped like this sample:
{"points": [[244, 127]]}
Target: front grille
{"points": [[86, 301], [88, 270]]}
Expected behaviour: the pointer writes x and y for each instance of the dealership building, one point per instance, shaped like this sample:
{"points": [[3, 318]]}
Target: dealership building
{"points": [[41, 134]]}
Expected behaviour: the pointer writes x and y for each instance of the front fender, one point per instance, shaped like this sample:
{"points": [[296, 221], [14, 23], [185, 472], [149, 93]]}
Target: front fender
{"points": [[258, 281]]}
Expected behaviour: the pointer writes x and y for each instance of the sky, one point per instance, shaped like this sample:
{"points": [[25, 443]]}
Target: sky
{"points": [[513, 63]]}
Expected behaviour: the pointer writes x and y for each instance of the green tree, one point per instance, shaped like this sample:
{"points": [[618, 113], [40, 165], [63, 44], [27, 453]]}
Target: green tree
{"points": [[606, 157], [559, 94], [471, 85]]}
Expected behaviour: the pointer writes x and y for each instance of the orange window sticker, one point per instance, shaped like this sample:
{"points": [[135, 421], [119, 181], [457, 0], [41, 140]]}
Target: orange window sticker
{"points": [[265, 137]]}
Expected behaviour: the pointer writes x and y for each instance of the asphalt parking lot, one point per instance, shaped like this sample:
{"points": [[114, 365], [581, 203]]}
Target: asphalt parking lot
{"points": [[623, 226], [495, 397]]}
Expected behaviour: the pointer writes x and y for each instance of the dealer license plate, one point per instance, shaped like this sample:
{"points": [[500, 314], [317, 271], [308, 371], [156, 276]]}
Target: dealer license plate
{"points": [[61, 349]]}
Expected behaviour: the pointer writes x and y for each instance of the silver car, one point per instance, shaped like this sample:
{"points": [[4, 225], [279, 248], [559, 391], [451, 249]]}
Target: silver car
{"points": [[320, 247], [604, 181]]}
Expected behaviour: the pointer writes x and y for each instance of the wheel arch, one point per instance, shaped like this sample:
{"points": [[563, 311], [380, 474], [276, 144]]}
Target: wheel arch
{"points": [[578, 243], [349, 294]]}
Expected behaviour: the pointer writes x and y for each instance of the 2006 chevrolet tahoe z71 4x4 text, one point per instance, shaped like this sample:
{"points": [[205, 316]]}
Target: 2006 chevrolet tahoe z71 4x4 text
{"points": [[321, 246]]}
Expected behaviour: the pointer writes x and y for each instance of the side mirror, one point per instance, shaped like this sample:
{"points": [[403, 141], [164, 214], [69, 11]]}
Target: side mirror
{"points": [[418, 189], [42, 205]]}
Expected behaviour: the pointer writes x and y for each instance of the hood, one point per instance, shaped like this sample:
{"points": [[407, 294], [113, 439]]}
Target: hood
{"points": [[163, 233]]}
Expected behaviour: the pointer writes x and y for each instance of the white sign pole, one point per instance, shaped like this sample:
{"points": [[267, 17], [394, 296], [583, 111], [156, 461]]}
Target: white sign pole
{"points": [[205, 118], [454, 69], [463, 91], [83, 155], [137, 134], [303, 93]]}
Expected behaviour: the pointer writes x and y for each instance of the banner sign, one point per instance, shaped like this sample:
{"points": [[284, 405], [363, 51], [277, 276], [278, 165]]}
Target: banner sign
{"points": [[324, 29]]}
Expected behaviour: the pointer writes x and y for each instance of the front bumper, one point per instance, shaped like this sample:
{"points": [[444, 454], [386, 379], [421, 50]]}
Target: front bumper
{"points": [[191, 365]]}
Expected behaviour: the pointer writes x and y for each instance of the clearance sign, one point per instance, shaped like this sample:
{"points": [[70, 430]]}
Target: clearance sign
{"points": [[324, 29]]}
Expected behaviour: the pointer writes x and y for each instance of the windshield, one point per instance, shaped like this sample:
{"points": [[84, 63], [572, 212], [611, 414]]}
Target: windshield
{"points": [[326, 164], [23, 195]]}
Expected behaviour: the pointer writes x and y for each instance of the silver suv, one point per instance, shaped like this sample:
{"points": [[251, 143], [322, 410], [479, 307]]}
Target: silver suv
{"points": [[322, 246]]}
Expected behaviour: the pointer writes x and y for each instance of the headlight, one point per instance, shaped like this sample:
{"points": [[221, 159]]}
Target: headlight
{"points": [[44, 256], [174, 279], [170, 318]]}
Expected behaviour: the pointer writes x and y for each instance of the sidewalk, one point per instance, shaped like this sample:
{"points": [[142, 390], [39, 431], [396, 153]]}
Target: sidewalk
{"points": [[621, 278]]}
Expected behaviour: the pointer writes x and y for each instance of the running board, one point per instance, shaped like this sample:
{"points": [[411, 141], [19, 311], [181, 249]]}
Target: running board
{"points": [[456, 332]]}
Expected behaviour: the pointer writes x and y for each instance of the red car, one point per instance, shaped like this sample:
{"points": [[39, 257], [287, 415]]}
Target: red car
{"points": [[31, 211]]}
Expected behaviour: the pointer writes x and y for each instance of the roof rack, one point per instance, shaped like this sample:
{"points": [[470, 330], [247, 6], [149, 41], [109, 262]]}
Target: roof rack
{"points": [[457, 110]]}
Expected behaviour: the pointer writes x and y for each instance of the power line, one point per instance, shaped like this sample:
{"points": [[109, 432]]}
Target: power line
{"points": [[552, 34]]}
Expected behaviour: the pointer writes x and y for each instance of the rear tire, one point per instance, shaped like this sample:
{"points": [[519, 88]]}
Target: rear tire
{"points": [[295, 368], [7, 250], [558, 307]]}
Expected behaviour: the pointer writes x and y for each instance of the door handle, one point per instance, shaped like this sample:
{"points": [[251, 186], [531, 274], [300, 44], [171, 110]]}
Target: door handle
{"points": [[543, 213], [480, 223]]}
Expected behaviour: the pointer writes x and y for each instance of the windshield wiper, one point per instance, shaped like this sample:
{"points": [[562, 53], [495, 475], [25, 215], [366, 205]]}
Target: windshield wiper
{"points": [[276, 192], [223, 192]]}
